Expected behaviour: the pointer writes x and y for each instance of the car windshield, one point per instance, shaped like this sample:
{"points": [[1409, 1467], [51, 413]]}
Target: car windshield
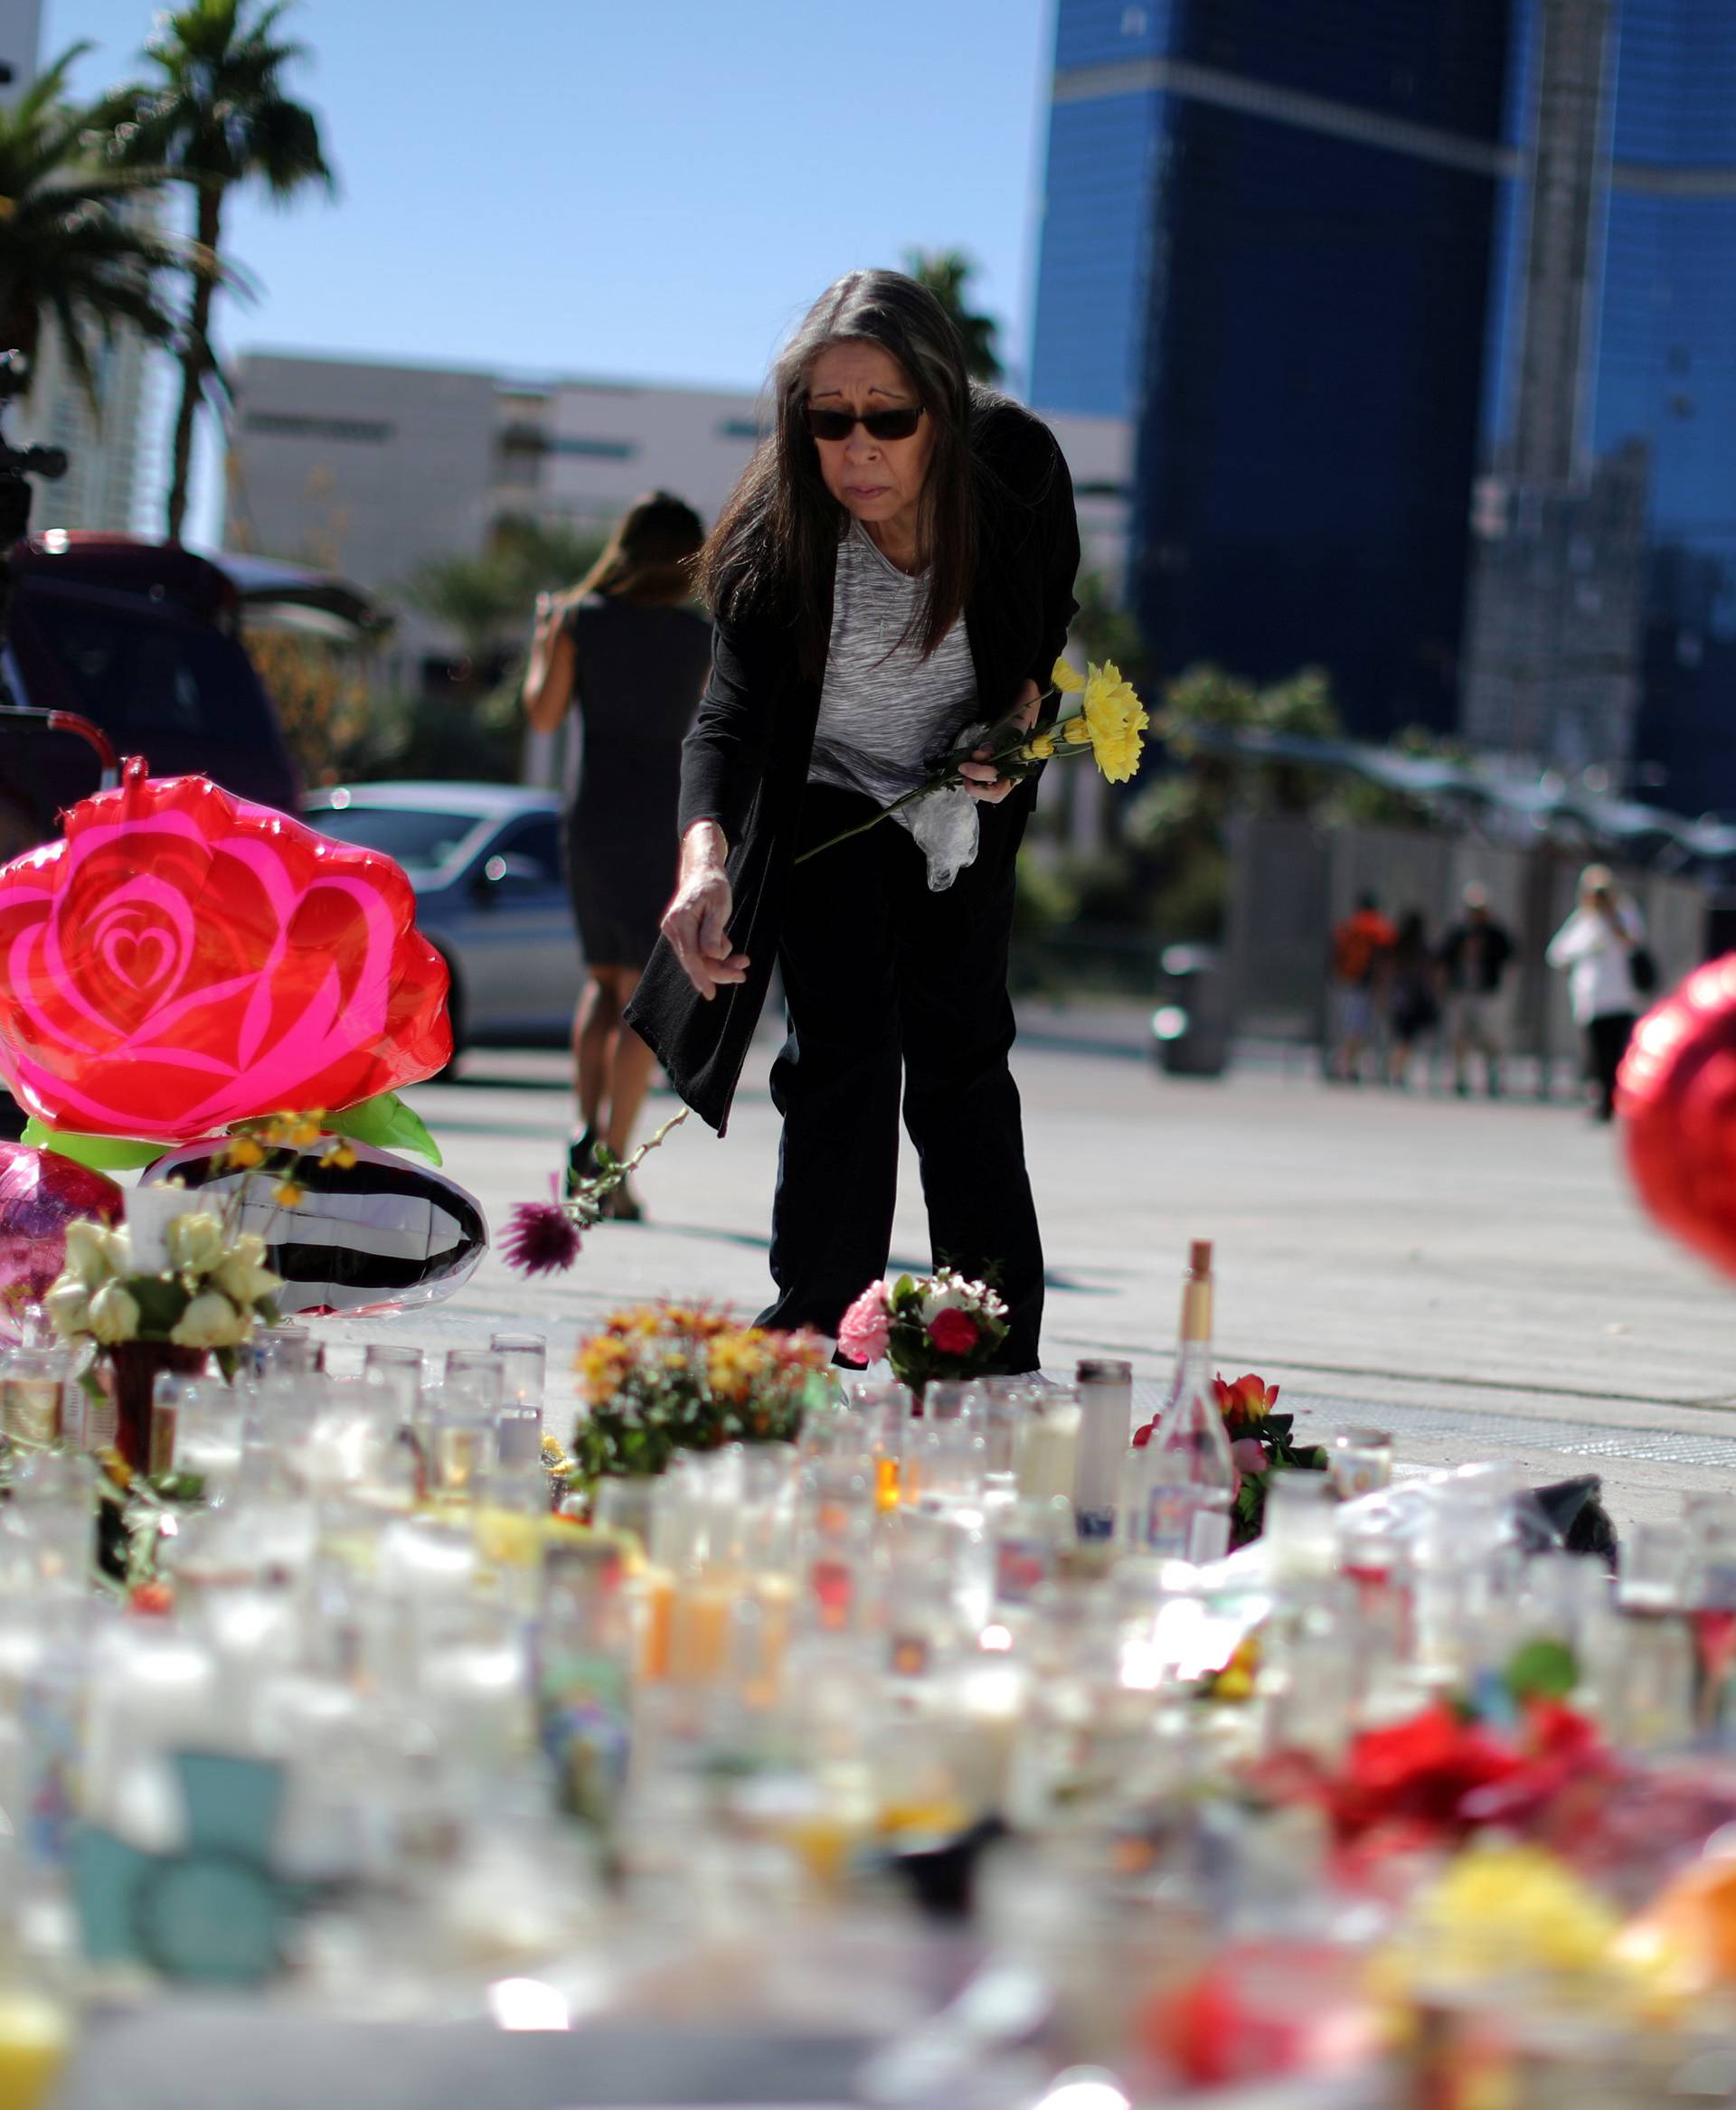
{"points": [[419, 837], [143, 675]]}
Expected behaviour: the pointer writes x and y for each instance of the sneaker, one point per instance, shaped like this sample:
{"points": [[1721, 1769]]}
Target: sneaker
{"points": [[581, 1162]]}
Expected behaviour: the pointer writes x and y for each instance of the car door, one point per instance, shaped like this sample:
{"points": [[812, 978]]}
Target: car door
{"points": [[519, 949]]}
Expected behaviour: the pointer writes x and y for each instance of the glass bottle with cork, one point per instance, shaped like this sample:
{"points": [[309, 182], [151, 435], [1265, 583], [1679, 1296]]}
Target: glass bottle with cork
{"points": [[1177, 1489]]}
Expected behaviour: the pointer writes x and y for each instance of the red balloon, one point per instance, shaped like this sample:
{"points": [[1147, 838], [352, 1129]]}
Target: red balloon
{"points": [[184, 959], [1677, 1095], [40, 1192]]}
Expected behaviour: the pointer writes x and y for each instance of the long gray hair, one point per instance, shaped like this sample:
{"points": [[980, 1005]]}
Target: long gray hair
{"points": [[775, 545]]}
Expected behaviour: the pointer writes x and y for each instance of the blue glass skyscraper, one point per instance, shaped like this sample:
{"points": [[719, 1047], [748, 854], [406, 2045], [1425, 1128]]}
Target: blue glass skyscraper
{"points": [[1301, 242], [1267, 237]]}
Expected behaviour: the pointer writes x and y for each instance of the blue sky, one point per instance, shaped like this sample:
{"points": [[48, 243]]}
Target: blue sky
{"points": [[619, 188]]}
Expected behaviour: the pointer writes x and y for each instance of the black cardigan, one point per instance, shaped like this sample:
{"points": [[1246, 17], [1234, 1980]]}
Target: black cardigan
{"points": [[745, 762]]}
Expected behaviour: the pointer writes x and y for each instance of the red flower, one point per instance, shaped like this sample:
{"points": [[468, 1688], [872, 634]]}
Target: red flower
{"points": [[184, 959], [954, 1332], [540, 1239], [1247, 1400], [1420, 1772]]}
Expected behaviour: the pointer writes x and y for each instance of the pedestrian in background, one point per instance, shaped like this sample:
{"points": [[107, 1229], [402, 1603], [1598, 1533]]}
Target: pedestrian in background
{"points": [[1412, 993], [1595, 947], [1475, 957], [1362, 946], [631, 652], [896, 564]]}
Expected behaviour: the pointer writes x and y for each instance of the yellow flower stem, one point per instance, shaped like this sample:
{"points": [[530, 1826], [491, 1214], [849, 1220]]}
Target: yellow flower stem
{"points": [[1005, 742]]}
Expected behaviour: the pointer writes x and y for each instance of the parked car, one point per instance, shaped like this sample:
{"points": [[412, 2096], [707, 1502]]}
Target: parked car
{"points": [[143, 639], [491, 894]]}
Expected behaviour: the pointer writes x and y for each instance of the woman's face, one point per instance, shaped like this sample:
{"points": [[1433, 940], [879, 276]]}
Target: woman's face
{"points": [[878, 481]]}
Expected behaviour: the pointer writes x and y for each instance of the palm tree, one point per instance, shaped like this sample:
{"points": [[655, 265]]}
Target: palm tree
{"points": [[70, 257], [482, 600], [486, 601], [945, 274], [216, 116]]}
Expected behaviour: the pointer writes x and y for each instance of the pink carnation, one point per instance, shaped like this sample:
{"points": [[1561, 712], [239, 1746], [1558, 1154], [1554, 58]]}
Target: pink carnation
{"points": [[864, 1331]]}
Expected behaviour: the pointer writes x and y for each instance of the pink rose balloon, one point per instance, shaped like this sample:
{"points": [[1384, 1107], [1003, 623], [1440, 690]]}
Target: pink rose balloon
{"points": [[40, 1193], [184, 959]]}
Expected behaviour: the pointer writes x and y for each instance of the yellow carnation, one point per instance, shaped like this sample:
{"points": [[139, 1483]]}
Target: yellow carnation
{"points": [[1067, 676], [1115, 718], [736, 1364], [1041, 747]]}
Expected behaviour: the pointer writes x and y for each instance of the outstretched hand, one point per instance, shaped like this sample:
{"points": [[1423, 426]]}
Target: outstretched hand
{"points": [[696, 922]]}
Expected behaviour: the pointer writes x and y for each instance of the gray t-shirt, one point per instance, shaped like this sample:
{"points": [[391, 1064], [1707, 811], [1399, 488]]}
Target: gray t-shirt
{"points": [[886, 713]]}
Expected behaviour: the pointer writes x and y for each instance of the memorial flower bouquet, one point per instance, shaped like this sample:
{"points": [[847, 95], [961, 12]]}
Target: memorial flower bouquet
{"points": [[209, 1296], [1098, 715], [929, 1328], [180, 1281], [663, 1378]]}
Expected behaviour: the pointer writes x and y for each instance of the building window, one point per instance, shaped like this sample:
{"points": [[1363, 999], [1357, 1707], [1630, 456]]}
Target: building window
{"points": [[294, 425], [601, 450], [740, 428]]}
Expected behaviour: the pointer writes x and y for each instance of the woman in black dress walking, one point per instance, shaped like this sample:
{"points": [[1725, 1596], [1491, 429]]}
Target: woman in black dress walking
{"points": [[629, 651]]}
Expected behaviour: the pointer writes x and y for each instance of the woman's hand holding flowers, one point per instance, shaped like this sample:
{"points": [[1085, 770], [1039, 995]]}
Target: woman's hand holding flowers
{"points": [[981, 777], [696, 923]]}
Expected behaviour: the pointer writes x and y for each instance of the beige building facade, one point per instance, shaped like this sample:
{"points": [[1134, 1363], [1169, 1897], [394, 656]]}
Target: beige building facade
{"points": [[372, 469]]}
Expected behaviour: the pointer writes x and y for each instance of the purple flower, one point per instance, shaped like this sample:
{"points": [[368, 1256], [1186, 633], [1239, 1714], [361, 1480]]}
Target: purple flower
{"points": [[540, 1240]]}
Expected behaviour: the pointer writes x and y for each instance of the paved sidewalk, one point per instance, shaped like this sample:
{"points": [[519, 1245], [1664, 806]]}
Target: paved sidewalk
{"points": [[1476, 1275]]}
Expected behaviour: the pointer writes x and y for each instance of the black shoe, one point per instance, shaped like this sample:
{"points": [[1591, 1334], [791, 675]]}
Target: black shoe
{"points": [[624, 1206], [581, 1162]]}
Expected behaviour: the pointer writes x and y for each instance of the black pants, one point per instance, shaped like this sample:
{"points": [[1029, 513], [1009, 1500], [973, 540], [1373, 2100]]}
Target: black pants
{"points": [[1606, 1042], [881, 976]]}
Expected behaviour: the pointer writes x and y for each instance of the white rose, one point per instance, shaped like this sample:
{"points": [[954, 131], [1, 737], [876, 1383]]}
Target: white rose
{"points": [[948, 1295], [68, 1305], [114, 1314], [87, 1253], [117, 1250], [195, 1241], [244, 1280], [210, 1321]]}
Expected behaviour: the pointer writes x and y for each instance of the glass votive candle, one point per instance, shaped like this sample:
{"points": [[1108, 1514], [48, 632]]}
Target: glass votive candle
{"points": [[460, 1445], [474, 1370], [286, 1351], [1655, 1559], [205, 1433], [1361, 1461], [523, 1363], [167, 1390], [395, 1363], [1046, 1443], [518, 1437], [950, 1400], [1301, 1524], [33, 1394]]}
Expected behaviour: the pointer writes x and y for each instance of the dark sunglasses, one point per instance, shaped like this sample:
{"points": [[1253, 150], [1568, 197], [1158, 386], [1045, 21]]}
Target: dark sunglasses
{"points": [[881, 424]]}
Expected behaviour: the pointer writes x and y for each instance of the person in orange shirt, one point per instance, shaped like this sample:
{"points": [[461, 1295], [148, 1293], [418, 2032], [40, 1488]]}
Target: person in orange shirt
{"points": [[1361, 953]]}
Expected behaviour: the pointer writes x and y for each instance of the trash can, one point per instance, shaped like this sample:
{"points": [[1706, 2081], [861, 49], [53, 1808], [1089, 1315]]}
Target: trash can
{"points": [[1190, 1028]]}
